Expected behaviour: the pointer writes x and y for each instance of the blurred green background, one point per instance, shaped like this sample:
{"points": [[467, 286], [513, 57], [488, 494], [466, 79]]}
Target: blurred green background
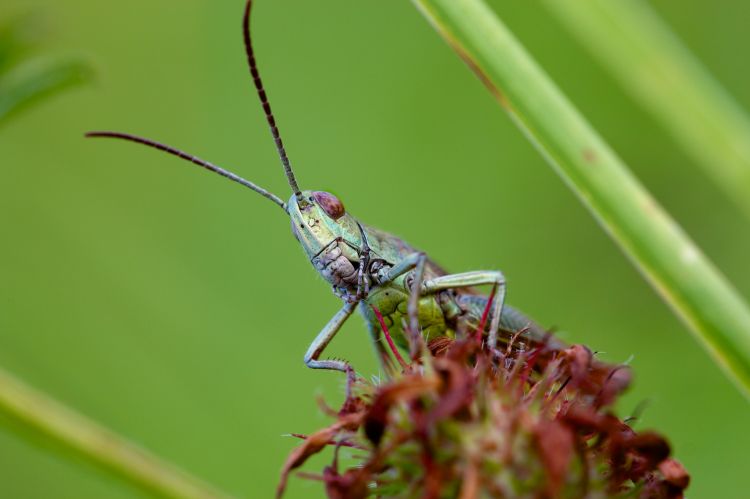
{"points": [[175, 307]]}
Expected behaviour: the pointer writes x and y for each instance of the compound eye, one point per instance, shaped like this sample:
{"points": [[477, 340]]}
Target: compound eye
{"points": [[333, 207]]}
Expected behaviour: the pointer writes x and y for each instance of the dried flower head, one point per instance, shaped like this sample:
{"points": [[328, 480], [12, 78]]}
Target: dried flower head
{"points": [[465, 422]]}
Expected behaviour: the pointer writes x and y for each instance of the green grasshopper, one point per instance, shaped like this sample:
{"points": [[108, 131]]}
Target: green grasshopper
{"points": [[388, 279]]}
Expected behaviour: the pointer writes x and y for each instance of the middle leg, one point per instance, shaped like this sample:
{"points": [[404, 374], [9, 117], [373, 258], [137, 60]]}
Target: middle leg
{"points": [[469, 279]]}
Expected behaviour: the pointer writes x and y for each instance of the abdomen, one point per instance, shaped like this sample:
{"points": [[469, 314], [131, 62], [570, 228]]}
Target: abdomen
{"points": [[445, 313], [512, 321], [393, 302]]}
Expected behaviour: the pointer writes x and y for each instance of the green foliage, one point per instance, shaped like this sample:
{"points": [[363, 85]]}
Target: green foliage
{"points": [[26, 78], [664, 77], [697, 292], [175, 308], [23, 81], [83, 437]]}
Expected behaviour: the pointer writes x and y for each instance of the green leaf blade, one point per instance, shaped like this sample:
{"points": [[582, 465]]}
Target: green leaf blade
{"points": [[29, 83], [662, 75], [678, 270]]}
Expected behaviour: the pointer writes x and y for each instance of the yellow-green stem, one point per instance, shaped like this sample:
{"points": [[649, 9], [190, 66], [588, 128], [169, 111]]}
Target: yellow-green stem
{"points": [[661, 74], [679, 271], [103, 447]]}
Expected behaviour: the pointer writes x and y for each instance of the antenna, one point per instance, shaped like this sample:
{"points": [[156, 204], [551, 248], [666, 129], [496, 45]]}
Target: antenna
{"points": [[192, 159], [264, 100]]}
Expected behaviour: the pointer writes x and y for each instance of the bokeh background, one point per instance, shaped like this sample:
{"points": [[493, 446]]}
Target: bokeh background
{"points": [[175, 307]]}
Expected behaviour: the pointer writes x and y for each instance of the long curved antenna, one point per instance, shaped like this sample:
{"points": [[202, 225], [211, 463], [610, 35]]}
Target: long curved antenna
{"points": [[192, 159], [264, 100]]}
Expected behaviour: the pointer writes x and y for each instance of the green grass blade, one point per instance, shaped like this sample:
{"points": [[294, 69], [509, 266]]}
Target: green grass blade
{"points": [[19, 35], [678, 270], [29, 83], [22, 83], [44, 415], [653, 65]]}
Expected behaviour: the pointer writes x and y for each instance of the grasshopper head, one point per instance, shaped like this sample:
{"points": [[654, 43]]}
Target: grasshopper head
{"points": [[329, 236]]}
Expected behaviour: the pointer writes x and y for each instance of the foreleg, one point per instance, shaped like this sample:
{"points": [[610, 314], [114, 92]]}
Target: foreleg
{"points": [[312, 357]]}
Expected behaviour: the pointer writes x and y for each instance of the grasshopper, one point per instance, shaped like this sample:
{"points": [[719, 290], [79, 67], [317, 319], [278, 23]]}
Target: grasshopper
{"points": [[384, 276]]}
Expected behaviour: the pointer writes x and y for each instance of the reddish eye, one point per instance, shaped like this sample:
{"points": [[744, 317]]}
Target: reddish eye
{"points": [[330, 204]]}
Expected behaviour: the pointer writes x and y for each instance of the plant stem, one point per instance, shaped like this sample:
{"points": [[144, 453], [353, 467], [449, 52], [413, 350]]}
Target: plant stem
{"points": [[662, 75], [677, 269], [49, 417]]}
